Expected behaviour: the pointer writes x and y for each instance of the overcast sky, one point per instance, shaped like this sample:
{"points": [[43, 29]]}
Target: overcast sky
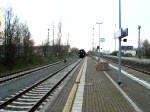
{"points": [[79, 17]]}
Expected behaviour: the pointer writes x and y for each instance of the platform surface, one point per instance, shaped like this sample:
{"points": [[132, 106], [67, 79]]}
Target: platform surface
{"points": [[102, 95]]}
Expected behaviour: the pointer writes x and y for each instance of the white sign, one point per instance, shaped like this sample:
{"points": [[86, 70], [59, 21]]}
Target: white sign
{"points": [[118, 34], [102, 39]]}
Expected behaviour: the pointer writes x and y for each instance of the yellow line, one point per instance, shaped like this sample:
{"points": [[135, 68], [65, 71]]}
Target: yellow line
{"points": [[71, 97], [80, 73], [70, 100]]}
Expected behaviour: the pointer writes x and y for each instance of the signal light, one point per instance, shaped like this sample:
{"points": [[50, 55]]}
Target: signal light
{"points": [[97, 47], [124, 40]]}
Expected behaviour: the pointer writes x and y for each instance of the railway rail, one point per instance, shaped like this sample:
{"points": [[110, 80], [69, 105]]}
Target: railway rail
{"points": [[138, 66], [31, 98], [18, 74]]}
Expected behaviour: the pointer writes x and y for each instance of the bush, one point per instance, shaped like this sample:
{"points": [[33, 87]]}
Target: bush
{"points": [[114, 53]]}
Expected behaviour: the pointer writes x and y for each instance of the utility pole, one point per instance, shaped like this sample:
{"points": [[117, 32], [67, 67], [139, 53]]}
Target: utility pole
{"points": [[68, 40], [53, 38], [99, 39], [59, 36], [59, 28], [120, 75], [68, 47], [139, 45], [48, 45], [120, 34], [115, 37], [0, 28], [48, 34], [93, 43]]}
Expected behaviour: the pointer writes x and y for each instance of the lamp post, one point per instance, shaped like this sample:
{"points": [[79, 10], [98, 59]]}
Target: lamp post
{"points": [[99, 38]]}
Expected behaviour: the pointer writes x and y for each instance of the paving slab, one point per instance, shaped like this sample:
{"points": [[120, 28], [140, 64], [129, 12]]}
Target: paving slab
{"points": [[100, 94]]}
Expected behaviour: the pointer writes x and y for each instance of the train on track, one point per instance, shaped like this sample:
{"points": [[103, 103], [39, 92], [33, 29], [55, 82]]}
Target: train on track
{"points": [[81, 53]]}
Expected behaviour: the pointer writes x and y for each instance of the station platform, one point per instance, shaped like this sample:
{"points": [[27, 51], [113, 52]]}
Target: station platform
{"points": [[98, 91]]}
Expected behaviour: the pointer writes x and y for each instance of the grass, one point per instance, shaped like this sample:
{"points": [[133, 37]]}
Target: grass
{"points": [[36, 62]]}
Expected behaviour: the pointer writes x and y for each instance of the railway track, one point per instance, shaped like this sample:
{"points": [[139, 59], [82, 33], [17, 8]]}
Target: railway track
{"points": [[13, 76], [33, 98], [138, 66]]}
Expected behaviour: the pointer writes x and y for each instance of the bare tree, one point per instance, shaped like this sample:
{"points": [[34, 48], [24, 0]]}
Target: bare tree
{"points": [[146, 47], [58, 40], [17, 40], [57, 46], [74, 50], [27, 42], [8, 37], [44, 47]]}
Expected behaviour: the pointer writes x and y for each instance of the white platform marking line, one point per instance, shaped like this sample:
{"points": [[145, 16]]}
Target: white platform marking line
{"points": [[125, 95], [140, 81], [77, 105]]}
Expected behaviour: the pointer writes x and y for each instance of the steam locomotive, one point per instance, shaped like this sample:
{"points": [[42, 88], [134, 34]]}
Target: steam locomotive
{"points": [[81, 53]]}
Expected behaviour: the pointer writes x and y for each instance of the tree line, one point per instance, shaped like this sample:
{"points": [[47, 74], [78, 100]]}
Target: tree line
{"points": [[18, 47], [17, 42]]}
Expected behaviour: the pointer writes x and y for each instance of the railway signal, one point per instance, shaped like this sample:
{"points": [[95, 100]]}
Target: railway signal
{"points": [[97, 47]]}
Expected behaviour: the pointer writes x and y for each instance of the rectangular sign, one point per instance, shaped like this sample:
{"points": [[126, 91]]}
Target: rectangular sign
{"points": [[127, 48], [102, 39]]}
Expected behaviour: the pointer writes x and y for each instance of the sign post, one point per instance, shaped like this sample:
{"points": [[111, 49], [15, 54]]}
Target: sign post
{"points": [[120, 34], [0, 27]]}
